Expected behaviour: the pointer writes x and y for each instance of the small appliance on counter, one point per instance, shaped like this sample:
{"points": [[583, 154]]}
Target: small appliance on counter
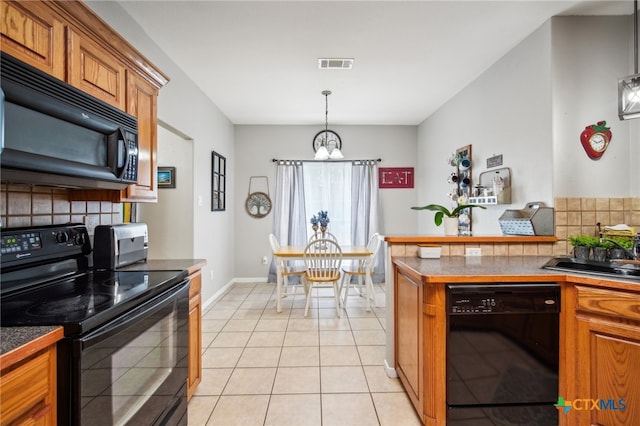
{"points": [[533, 219], [115, 246]]}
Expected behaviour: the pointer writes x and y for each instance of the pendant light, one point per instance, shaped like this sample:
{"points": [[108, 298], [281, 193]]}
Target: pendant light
{"points": [[629, 87], [323, 151]]}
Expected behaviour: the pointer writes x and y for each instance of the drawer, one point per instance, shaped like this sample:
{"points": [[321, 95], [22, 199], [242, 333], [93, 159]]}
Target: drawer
{"points": [[613, 303]]}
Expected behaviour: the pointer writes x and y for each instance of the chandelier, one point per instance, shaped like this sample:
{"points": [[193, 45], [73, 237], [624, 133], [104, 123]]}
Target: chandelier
{"points": [[329, 141]]}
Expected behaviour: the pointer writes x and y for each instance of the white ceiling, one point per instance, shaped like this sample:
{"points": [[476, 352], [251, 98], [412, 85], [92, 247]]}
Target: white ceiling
{"points": [[257, 60]]}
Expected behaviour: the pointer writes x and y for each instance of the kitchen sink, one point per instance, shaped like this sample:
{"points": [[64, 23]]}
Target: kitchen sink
{"points": [[607, 269]]}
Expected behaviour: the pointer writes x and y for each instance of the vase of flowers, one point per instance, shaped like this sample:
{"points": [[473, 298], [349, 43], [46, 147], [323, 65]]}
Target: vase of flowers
{"points": [[320, 220]]}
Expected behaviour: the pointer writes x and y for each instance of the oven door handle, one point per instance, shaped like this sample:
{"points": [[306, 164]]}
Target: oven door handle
{"points": [[148, 308]]}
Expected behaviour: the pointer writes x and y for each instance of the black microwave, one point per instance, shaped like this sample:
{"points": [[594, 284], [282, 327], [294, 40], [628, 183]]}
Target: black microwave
{"points": [[56, 135]]}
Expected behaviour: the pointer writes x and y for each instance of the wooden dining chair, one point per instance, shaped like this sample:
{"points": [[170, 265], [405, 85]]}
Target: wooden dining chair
{"points": [[363, 284], [289, 270], [323, 259]]}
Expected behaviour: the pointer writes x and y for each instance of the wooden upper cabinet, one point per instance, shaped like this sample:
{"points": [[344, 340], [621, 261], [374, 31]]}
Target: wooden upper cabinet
{"points": [[34, 35], [67, 40], [93, 70], [142, 103]]}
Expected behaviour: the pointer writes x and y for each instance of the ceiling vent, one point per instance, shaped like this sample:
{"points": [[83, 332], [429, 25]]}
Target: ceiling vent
{"points": [[335, 63]]}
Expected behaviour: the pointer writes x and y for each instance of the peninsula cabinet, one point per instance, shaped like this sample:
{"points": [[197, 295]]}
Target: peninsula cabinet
{"points": [[607, 364], [68, 41], [420, 324]]}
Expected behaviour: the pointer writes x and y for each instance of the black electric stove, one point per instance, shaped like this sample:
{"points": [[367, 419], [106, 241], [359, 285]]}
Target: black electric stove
{"points": [[46, 280], [124, 355], [86, 300]]}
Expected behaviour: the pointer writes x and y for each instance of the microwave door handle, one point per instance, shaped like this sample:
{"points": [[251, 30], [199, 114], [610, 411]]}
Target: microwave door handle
{"points": [[123, 146]]}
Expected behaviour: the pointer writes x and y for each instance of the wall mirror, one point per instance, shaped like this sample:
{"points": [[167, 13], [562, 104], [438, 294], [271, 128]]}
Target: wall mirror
{"points": [[218, 182]]}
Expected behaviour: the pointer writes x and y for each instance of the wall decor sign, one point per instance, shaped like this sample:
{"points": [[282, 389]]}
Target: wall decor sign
{"points": [[395, 177], [166, 177], [494, 161]]}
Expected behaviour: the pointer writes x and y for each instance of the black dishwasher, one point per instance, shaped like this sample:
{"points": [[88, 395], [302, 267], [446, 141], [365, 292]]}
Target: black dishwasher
{"points": [[502, 354]]}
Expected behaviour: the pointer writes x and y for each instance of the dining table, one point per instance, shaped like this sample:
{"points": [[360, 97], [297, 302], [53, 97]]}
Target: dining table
{"points": [[285, 253]]}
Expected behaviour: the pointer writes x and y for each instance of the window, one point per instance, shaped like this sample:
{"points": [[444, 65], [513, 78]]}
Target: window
{"points": [[327, 186], [218, 182]]}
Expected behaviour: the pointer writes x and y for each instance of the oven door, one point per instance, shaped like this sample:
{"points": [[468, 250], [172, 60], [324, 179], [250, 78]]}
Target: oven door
{"points": [[133, 370]]}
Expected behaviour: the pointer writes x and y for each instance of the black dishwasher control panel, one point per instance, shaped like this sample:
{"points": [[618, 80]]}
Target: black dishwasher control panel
{"points": [[491, 298]]}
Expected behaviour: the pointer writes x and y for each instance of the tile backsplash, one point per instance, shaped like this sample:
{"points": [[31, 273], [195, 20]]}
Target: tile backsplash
{"points": [[572, 216], [26, 205], [582, 215]]}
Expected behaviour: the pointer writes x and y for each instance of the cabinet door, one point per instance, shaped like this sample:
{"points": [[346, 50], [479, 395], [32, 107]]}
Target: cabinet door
{"points": [[31, 32], [28, 391], [608, 357], [609, 373], [195, 334], [408, 332], [94, 70], [142, 100]]}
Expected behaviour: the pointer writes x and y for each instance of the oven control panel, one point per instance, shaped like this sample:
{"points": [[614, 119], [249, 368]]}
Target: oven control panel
{"points": [[23, 246]]}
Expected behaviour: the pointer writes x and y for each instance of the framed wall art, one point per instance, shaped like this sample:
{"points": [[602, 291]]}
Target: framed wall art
{"points": [[218, 182], [166, 177]]}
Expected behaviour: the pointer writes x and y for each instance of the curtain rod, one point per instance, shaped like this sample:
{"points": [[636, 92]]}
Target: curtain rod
{"points": [[275, 160]]}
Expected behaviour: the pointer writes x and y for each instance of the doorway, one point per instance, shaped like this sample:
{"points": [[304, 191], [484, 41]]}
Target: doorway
{"points": [[170, 220]]}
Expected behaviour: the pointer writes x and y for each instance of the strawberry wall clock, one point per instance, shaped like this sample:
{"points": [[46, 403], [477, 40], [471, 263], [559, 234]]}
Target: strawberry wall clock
{"points": [[595, 139]]}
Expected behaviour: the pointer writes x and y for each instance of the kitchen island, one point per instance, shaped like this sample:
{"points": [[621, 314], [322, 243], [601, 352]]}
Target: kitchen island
{"points": [[599, 332]]}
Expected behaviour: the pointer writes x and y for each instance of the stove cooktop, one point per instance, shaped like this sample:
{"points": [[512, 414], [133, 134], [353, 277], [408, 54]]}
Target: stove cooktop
{"points": [[85, 301]]}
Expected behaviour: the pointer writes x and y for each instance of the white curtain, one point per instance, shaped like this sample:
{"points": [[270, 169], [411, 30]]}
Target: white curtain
{"points": [[289, 216], [365, 209]]}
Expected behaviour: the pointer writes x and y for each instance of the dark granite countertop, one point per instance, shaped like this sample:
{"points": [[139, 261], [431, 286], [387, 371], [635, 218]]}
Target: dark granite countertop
{"points": [[12, 338], [496, 269], [190, 265]]}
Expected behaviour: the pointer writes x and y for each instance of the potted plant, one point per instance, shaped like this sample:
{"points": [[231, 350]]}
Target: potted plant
{"points": [[619, 247], [601, 249], [449, 217], [582, 245]]}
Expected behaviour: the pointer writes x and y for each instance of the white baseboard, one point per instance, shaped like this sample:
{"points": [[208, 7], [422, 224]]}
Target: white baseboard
{"points": [[251, 280], [227, 286], [391, 372]]}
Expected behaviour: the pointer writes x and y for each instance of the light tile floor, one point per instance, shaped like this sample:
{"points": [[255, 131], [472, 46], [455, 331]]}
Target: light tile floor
{"points": [[264, 368]]}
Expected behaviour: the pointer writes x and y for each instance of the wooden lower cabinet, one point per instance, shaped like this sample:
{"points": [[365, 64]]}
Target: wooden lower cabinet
{"points": [[607, 369], [420, 344], [28, 383], [195, 333], [409, 337]]}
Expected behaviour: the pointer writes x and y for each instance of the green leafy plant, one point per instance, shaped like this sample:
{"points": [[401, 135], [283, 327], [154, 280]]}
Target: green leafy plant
{"points": [[622, 241], [584, 241], [442, 211]]}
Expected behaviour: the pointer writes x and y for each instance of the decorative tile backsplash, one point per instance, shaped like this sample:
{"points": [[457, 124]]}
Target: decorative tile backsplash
{"points": [[25, 205], [582, 215], [572, 216]]}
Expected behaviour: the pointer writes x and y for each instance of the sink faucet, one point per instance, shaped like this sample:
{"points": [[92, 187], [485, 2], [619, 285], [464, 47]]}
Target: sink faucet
{"points": [[633, 253]]}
